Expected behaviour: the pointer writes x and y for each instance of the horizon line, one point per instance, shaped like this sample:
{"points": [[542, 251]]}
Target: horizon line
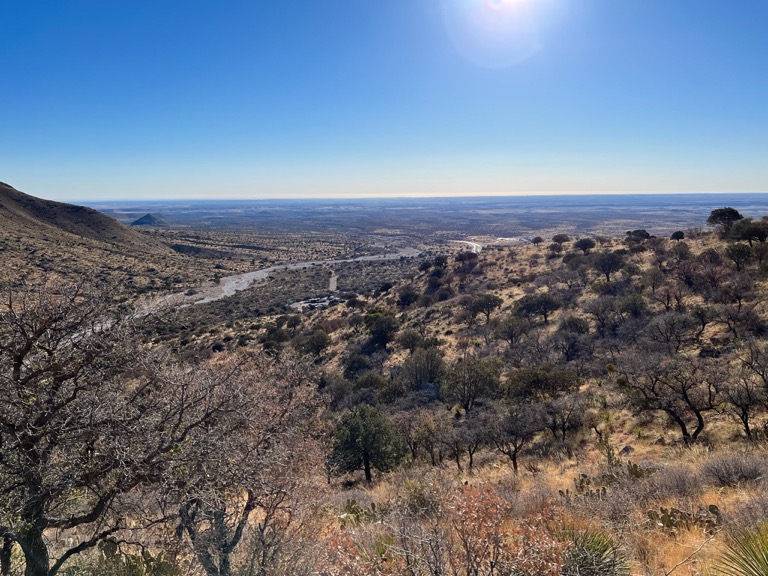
{"points": [[418, 196]]}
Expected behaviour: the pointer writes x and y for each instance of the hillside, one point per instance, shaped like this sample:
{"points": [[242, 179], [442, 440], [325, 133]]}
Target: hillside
{"points": [[611, 390], [22, 214], [42, 237], [585, 406]]}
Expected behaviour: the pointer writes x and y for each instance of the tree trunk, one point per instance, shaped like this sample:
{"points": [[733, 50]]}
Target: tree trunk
{"points": [[699, 426], [31, 541], [206, 560], [683, 428], [744, 417], [35, 553], [367, 466], [5, 556]]}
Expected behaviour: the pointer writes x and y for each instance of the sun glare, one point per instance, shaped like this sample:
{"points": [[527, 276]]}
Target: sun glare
{"points": [[499, 5], [493, 33]]}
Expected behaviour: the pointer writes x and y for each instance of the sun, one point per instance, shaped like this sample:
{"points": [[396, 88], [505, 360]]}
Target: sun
{"points": [[498, 5], [494, 33]]}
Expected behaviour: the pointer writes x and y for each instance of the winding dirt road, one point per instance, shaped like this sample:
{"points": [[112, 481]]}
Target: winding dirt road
{"points": [[229, 285], [474, 246]]}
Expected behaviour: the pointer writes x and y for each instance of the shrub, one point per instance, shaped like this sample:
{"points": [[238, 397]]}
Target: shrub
{"points": [[733, 469], [679, 482], [485, 541]]}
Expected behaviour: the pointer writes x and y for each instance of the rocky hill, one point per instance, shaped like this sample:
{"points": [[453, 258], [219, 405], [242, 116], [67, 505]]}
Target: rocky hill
{"points": [[148, 220]]}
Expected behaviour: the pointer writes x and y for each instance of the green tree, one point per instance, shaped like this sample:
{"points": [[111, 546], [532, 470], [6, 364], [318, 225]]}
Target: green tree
{"points": [[635, 236], [584, 244], [560, 238], [748, 230], [382, 327], [538, 305], [485, 304], [739, 254], [608, 263], [410, 340], [424, 366], [366, 439], [678, 235], [355, 365], [724, 219], [407, 296], [441, 261], [541, 383], [316, 343], [512, 330]]}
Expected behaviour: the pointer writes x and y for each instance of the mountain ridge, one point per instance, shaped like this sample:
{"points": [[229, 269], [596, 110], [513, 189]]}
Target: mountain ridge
{"points": [[22, 213]]}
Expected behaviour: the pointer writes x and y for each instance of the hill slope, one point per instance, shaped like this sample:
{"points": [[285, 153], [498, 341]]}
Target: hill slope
{"points": [[43, 237], [29, 216]]}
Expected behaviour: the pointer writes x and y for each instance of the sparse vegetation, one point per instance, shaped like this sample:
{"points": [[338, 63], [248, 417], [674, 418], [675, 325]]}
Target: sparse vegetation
{"points": [[459, 412]]}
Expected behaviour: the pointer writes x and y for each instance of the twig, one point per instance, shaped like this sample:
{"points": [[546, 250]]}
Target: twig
{"points": [[691, 555]]}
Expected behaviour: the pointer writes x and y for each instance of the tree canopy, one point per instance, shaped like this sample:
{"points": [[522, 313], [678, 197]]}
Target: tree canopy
{"points": [[608, 263], [584, 244], [724, 219], [538, 305], [366, 439]]}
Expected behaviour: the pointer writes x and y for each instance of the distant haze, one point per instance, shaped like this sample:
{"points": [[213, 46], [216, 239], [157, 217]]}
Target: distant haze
{"points": [[449, 217]]}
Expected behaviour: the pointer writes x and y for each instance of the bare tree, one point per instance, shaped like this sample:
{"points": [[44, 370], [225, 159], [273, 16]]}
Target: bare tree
{"points": [[91, 424], [605, 312], [565, 413], [744, 393], [673, 330], [512, 429], [252, 464], [86, 419], [470, 379], [685, 389]]}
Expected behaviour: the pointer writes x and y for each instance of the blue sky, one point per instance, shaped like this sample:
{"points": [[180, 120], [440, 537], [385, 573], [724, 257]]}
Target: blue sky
{"points": [[164, 98]]}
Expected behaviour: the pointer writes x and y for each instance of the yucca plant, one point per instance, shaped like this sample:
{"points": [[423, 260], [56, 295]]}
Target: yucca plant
{"points": [[592, 553], [747, 554]]}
